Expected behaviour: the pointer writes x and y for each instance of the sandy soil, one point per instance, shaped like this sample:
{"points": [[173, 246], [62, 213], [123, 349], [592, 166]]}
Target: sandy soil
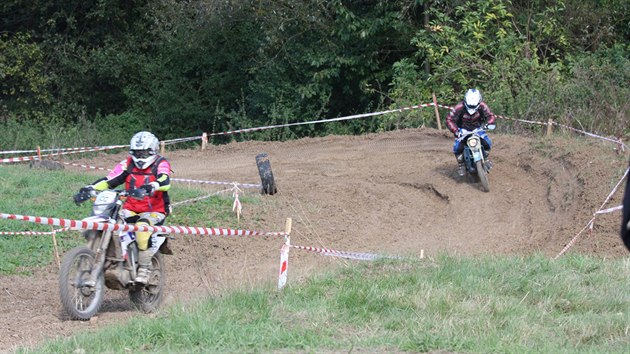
{"points": [[393, 193]]}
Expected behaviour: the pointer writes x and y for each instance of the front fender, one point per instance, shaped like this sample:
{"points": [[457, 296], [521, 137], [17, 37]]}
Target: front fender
{"points": [[97, 218], [476, 149]]}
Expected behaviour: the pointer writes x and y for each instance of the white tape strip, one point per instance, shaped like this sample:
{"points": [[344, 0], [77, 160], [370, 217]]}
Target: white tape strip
{"points": [[609, 210], [344, 254], [356, 116], [591, 222]]}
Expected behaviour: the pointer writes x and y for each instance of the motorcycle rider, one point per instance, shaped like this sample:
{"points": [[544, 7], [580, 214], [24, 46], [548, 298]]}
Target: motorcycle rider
{"points": [[144, 168], [470, 114]]}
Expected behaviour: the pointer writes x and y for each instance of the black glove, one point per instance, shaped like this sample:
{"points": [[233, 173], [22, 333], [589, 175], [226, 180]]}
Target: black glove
{"points": [[84, 194], [148, 188], [86, 190]]}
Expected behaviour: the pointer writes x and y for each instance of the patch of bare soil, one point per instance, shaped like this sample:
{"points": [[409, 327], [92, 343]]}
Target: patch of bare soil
{"points": [[394, 193]]}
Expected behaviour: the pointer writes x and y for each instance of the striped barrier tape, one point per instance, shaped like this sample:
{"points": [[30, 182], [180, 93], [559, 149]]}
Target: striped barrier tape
{"points": [[181, 140], [609, 210], [243, 185], [34, 233], [591, 222], [199, 198], [344, 254], [34, 158], [284, 257], [90, 225], [356, 116], [62, 149]]}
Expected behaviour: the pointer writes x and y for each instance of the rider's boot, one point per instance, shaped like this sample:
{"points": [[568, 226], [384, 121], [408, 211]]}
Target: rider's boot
{"points": [[461, 169], [487, 161], [144, 264]]}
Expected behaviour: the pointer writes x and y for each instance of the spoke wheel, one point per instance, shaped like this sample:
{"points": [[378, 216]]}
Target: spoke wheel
{"points": [[483, 176], [148, 298], [81, 296]]}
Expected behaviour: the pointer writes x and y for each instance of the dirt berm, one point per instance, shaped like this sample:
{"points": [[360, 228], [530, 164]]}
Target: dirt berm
{"points": [[394, 193]]}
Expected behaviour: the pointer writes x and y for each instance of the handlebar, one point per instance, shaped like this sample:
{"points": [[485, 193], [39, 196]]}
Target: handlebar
{"points": [[86, 194]]}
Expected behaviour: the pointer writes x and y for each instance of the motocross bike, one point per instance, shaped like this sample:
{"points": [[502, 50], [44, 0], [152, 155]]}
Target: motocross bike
{"points": [[110, 259], [474, 160]]}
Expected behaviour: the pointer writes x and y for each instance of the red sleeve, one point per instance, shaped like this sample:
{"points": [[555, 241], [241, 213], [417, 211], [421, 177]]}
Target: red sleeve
{"points": [[451, 117]]}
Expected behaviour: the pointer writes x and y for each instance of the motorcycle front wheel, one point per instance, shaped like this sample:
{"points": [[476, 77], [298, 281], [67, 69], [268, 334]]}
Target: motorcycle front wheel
{"points": [[483, 176], [149, 297], [81, 296]]}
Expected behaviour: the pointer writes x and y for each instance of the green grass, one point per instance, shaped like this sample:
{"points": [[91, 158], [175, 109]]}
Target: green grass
{"points": [[37, 192], [533, 304], [484, 305]]}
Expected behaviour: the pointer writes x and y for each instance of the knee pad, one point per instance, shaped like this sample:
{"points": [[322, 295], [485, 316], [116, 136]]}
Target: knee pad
{"points": [[143, 237]]}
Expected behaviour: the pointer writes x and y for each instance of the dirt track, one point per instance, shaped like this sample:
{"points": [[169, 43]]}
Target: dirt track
{"points": [[391, 193]]}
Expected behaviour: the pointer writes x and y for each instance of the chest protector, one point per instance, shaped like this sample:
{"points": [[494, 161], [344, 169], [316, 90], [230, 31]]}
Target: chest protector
{"points": [[158, 202], [470, 122]]}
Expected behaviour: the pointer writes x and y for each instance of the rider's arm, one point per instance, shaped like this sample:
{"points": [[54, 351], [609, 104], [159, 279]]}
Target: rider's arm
{"points": [[115, 178], [163, 181], [452, 117]]}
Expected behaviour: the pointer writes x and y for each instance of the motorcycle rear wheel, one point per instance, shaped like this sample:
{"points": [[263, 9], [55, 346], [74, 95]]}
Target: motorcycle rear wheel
{"points": [[149, 297], [483, 176], [80, 299]]}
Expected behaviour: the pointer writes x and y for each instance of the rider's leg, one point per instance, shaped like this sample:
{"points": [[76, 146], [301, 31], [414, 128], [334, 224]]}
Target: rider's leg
{"points": [[487, 145], [458, 150], [142, 239]]}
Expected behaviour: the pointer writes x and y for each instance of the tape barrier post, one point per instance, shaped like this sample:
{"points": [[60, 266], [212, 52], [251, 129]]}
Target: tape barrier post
{"points": [[284, 256], [55, 249], [204, 141], [437, 113]]}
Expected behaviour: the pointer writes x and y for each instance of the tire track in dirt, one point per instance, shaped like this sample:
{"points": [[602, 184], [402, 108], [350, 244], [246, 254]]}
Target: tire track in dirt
{"points": [[388, 193]]}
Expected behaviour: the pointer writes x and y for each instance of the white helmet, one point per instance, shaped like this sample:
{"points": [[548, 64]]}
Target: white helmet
{"points": [[472, 100], [144, 149]]}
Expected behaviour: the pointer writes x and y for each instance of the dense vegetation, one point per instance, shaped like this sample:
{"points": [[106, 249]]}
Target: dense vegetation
{"points": [[89, 72]]}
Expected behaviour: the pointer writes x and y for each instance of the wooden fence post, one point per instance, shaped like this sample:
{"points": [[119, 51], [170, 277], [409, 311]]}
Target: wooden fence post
{"points": [[162, 148], [549, 127], [437, 113], [204, 141]]}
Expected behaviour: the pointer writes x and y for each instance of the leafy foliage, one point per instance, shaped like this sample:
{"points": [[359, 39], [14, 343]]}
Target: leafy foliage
{"points": [[180, 68]]}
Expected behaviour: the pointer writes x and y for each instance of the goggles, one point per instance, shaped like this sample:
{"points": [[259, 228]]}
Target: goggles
{"points": [[141, 154]]}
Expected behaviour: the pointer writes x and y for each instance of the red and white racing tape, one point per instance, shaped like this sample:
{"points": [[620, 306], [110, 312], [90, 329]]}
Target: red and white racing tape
{"points": [[62, 149], [181, 140], [85, 166], [187, 201], [34, 233], [245, 185], [344, 254], [79, 150], [609, 210], [356, 116], [591, 222], [89, 225]]}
